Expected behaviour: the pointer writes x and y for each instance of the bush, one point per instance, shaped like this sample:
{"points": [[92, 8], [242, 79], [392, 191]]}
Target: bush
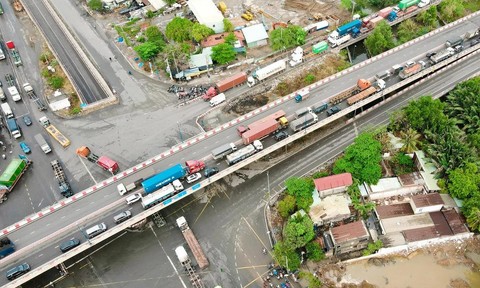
{"points": [[314, 251], [56, 82], [309, 79], [286, 206]]}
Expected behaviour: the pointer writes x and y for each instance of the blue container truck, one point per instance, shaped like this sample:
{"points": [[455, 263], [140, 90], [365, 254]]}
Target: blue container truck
{"points": [[163, 178], [6, 247], [352, 27]]}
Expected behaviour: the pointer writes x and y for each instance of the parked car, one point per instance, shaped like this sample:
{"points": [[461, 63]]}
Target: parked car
{"points": [[133, 198], [119, 218], [430, 54], [27, 120], [333, 110], [25, 147], [210, 171], [280, 135], [69, 245], [194, 177]]}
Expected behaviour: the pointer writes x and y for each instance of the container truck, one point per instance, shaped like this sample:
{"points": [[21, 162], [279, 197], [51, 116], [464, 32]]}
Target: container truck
{"points": [[263, 127], [265, 72], [224, 85], [192, 242], [377, 87], [442, 55], [320, 47], [411, 68], [13, 128], [3, 97], [245, 152], [352, 28], [42, 143], [103, 161], [316, 26], [404, 4], [6, 247], [385, 12], [13, 51], [54, 132], [63, 184], [220, 98], [340, 40], [194, 166], [319, 107], [11, 175], [160, 195], [163, 178], [304, 122], [187, 264], [7, 110], [374, 22], [31, 94], [224, 150], [362, 84]]}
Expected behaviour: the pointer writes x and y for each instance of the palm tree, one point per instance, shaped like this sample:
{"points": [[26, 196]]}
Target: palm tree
{"points": [[410, 140], [473, 219]]}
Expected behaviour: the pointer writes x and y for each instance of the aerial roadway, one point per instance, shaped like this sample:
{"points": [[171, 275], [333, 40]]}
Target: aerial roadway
{"points": [[100, 206]]}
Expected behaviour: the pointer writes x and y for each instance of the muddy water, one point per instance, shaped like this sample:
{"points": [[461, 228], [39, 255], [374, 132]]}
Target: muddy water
{"points": [[418, 272]]}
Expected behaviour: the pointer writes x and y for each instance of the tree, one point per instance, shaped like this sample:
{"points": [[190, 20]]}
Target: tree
{"points": [[426, 113], [147, 50], [373, 247], [313, 281], [282, 253], [177, 53], [404, 164], [473, 219], [362, 159], [179, 29], [170, 2], [56, 82], [286, 206], [382, 3], [230, 39], [451, 10], [284, 38], [464, 182], [407, 30], [96, 5], [463, 104], [380, 40], [302, 190], [227, 25], [315, 252], [201, 31], [150, 14], [429, 17], [223, 53], [298, 231], [410, 140]]}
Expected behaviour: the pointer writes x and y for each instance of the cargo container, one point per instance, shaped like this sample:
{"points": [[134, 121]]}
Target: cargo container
{"points": [[320, 47], [385, 12], [411, 68], [362, 84], [163, 178], [265, 72], [263, 127], [224, 85], [374, 22], [404, 4], [442, 55], [455, 41], [11, 175], [304, 122], [319, 107], [351, 28], [316, 26], [302, 111]]}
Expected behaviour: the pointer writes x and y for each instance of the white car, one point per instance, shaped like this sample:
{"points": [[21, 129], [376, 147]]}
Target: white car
{"points": [[423, 3], [194, 177], [133, 198]]}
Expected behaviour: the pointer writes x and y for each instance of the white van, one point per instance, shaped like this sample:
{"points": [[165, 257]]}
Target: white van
{"points": [[220, 98], [7, 111], [96, 230]]}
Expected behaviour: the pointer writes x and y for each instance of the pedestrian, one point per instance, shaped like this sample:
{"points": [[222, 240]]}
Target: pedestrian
{"points": [[129, 72], [110, 58]]}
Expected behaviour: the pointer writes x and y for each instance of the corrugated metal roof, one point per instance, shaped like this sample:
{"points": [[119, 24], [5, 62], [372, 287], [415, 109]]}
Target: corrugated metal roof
{"points": [[455, 221], [396, 210], [334, 181], [207, 13], [254, 33], [386, 184], [425, 200], [420, 234], [441, 224], [216, 39], [349, 232]]}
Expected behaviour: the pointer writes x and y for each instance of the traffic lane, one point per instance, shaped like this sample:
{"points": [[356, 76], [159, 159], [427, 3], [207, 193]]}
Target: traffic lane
{"points": [[83, 79]]}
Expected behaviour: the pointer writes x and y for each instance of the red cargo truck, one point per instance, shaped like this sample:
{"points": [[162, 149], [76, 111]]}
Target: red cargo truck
{"points": [[224, 85], [194, 166]]}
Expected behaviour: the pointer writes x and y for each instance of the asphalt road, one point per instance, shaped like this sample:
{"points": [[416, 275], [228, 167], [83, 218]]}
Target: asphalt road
{"points": [[95, 202], [81, 76], [234, 242], [38, 187]]}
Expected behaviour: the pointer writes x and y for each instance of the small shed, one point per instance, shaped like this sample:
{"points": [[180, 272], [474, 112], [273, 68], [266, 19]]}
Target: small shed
{"points": [[332, 184], [426, 203], [255, 35]]}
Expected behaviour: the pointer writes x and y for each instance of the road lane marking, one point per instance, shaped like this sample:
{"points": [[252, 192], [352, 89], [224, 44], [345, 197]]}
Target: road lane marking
{"points": [[86, 168]]}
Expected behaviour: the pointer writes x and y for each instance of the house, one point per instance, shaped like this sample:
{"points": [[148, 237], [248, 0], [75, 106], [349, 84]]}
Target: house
{"points": [[425, 203], [332, 184], [216, 39], [207, 14], [427, 170], [330, 209], [255, 35], [393, 186], [350, 237]]}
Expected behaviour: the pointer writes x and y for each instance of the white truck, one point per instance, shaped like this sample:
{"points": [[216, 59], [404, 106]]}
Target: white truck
{"points": [[265, 72], [220, 98], [7, 111], [2, 55], [337, 41], [42, 143], [14, 93]]}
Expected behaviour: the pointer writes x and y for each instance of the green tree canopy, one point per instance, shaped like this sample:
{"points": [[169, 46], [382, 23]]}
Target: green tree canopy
{"points": [[227, 25], [473, 219], [177, 53], [96, 5], [315, 252], [451, 10], [429, 17], [284, 38], [410, 140], [230, 39], [301, 189], [362, 159], [147, 50], [179, 29], [298, 231], [200, 32], [407, 30], [283, 255], [426, 113], [382, 3], [380, 40], [286, 206], [464, 182], [463, 104], [223, 53]]}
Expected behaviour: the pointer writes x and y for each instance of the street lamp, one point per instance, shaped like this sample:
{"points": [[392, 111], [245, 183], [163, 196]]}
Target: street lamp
{"points": [[268, 187]]}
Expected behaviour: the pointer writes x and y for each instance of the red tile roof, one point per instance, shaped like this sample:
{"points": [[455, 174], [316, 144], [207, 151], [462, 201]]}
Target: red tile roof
{"points": [[395, 210], [425, 200], [216, 39], [334, 181], [349, 232]]}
